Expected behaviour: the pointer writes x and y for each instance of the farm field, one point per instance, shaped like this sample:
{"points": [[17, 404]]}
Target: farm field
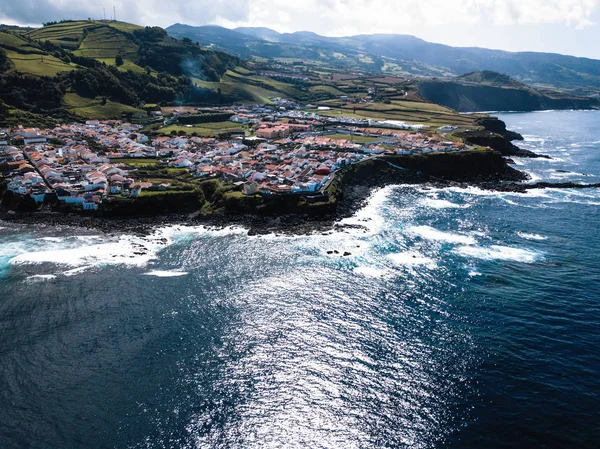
{"points": [[136, 162], [39, 65], [93, 108], [204, 129]]}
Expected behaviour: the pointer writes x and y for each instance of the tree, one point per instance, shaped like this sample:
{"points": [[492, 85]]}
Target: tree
{"points": [[119, 60]]}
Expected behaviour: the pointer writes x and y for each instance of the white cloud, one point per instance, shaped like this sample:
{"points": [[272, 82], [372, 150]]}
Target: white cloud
{"points": [[333, 17], [338, 17]]}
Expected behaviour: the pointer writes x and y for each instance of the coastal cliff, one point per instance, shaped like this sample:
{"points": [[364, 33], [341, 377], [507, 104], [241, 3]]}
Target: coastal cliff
{"points": [[495, 135], [492, 91]]}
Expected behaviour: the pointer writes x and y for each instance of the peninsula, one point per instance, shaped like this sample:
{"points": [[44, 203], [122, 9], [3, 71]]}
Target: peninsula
{"points": [[286, 164], [103, 121]]}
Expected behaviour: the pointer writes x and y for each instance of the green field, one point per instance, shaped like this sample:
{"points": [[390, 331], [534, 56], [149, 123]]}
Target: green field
{"points": [[38, 65], [68, 33], [93, 108], [106, 42], [326, 89], [136, 162], [11, 40], [127, 65], [421, 113], [204, 129]]}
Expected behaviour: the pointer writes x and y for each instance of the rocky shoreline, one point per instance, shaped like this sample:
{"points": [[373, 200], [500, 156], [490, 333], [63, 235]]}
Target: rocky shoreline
{"points": [[354, 198], [348, 192]]}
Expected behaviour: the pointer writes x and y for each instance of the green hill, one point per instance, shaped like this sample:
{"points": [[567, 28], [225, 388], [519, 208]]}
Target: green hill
{"points": [[111, 67]]}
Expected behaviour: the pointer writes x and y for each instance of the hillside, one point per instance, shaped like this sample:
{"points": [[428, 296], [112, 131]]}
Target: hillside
{"points": [[491, 91], [309, 48], [398, 55], [104, 69]]}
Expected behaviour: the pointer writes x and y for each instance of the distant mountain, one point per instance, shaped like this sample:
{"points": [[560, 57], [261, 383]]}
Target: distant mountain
{"points": [[492, 91], [259, 32], [397, 54]]}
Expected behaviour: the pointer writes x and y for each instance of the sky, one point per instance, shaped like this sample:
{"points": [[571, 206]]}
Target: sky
{"points": [[559, 26]]}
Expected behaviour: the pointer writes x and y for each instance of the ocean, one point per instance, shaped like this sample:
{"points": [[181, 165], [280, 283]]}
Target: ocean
{"points": [[455, 317]]}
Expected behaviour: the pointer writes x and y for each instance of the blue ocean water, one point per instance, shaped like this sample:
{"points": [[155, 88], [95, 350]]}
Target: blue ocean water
{"points": [[462, 318]]}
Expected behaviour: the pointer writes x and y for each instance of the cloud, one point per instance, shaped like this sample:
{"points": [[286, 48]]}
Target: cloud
{"points": [[338, 17], [331, 17], [146, 12]]}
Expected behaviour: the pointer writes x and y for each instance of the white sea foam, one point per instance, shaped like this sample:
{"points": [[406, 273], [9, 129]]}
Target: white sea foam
{"points": [[369, 217], [531, 138], [77, 271], [370, 271], [103, 250], [166, 274], [496, 252], [410, 259], [443, 204], [41, 278], [51, 239], [176, 232], [429, 233], [126, 251], [527, 236]]}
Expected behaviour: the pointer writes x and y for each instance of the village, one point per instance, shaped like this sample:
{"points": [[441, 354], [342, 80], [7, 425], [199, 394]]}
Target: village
{"points": [[283, 151]]}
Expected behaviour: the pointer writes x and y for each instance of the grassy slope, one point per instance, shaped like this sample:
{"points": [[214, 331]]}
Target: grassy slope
{"points": [[26, 58], [38, 65], [204, 129], [93, 109]]}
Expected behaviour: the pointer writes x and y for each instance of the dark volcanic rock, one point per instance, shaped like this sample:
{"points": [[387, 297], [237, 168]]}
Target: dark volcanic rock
{"points": [[497, 126], [497, 142]]}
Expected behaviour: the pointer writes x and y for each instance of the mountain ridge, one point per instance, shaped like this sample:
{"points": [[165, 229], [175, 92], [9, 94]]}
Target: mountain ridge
{"points": [[403, 54]]}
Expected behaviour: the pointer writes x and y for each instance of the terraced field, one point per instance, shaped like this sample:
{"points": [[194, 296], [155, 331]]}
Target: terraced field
{"points": [[37, 64], [107, 43], [94, 109], [68, 34], [12, 41]]}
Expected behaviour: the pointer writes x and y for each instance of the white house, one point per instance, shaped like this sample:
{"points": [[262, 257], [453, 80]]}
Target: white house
{"points": [[250, 188]]}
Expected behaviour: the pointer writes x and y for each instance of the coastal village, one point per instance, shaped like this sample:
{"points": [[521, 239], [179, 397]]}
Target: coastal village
{"points": [[283, 150]]}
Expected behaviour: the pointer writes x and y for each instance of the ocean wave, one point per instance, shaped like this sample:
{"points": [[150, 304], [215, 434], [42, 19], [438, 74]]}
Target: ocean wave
{"points": [[442, 204], [497, 252], [409, 258], [370, 271], [526, 236], [77, 271], [369, 217], [429, 233], [126, 251], [41, 278], [166, 274], [52, 239], [532, 138], [176, 232]]}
